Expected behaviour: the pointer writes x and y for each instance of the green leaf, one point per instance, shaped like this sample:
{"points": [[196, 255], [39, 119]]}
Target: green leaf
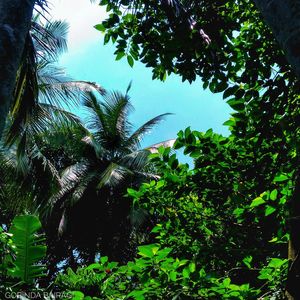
{"points": [[100, 27], [230, 91], [94, 266], [238, 212], [195, 153], [148, 250], [157, 228], [221, 86], [186, 273], [29, 249], [106, 38], [269, 210], [173, 275], [162, 254], [160, 184], [133, 193], [205, 84], [247, 260], [202, 273], [230, 122], [277, 262], [226, 282], [137, 295], [212, 85], [120, 55], [273, 195], [103, 259], [237, 105], [192, 267], [130, 61], [281, 178], [257, 201], [265, 274], [77, 295]]}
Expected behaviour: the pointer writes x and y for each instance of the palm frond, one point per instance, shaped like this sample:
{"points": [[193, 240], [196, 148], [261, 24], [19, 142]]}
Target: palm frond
{"points": [[128, 88], [86, 86], [117, 108], [175, 5], [62, 223], [25, 93], [59, 116], [62, 91], [37, 154], [50, 40], [39, 81], [44, 117], [135, 161], [13, 199], [23, 162], [94, 146], [74, 177], [55, 87], [154, 148], [42, 3], [97, 119], [113, 175], [137, 136]]}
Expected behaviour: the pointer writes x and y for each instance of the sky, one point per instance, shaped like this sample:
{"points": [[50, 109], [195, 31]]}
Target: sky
{"points": [[89, 59]]}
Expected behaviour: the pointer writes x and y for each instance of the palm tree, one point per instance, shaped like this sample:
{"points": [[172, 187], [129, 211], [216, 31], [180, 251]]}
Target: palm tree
{"points": [[30, 116], [94, 213], [29, 171], [43, 92], [39, 149], [42, 95]]}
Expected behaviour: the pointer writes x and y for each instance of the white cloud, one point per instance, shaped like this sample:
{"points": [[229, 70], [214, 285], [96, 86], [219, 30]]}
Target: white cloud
{"points": [[81, 15]]}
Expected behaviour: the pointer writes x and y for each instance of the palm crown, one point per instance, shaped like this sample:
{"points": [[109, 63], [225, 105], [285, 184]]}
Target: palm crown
{"points": [[107, 157], [111, 150]]}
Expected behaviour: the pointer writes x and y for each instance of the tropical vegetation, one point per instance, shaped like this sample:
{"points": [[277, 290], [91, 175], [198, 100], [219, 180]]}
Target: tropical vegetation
{"points": [[88, 213]]}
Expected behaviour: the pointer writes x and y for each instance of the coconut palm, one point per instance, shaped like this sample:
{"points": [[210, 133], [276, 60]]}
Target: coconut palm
{"points": [[111, 159], [53, 156], [43, 93]]}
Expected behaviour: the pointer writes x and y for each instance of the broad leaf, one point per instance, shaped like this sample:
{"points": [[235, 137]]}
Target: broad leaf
{"points": [[29, 249]]}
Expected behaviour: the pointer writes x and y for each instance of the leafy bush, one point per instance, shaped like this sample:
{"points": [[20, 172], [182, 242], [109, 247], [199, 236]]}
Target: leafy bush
{"points": [[155, 274], [222, 211]]}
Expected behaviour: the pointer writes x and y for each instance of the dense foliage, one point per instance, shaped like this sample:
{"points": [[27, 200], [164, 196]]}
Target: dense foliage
{"points": [[229, 46], [122, 223]]}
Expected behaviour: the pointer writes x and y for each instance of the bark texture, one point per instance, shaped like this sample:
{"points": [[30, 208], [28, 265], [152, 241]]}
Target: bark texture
{"points": [[15, 21], [283, 17]]}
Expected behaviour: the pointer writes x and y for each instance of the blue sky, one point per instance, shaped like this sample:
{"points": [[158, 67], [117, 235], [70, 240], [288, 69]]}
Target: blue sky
{"points": [[88, 59]]}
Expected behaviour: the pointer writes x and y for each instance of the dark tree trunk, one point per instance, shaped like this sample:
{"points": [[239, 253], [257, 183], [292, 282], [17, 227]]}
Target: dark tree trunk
{"points": [[283, 17], [15, 20]]}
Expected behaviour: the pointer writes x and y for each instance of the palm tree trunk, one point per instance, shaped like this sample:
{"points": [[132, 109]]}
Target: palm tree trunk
{"points": [[284, 19], [15, 21]]}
